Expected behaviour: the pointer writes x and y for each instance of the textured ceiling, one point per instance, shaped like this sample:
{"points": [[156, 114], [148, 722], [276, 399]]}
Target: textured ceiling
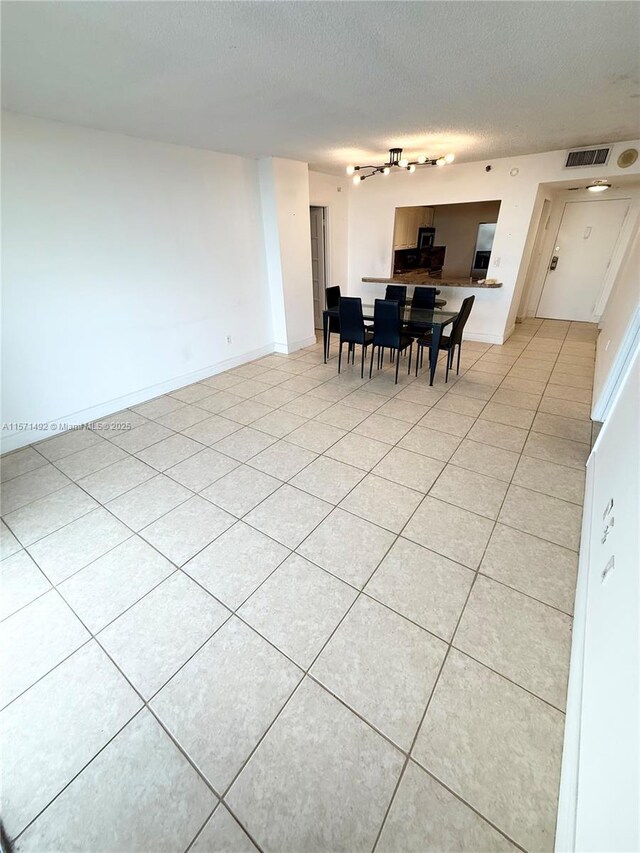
{"points": [[331, 82]]}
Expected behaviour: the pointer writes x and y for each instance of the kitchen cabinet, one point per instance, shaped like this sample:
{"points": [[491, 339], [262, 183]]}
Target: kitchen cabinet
{"points": [[408, 220]]}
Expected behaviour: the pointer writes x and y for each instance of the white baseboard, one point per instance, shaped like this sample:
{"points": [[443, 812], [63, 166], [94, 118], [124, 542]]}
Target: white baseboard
{"points": [[19, 438], [288, 348], [485, 338], [508, 333]]}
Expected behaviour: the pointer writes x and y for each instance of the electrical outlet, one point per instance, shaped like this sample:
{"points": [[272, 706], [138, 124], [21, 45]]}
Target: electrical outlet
{"points": [[496, 262], [228, 339]]}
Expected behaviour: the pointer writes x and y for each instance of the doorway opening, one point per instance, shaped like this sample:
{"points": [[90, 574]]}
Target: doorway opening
{"points": [[318, 261], [451, 240]]}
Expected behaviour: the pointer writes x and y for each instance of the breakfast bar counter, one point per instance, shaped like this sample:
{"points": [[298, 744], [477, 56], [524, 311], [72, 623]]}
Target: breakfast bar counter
{"points": [[411, 278]]}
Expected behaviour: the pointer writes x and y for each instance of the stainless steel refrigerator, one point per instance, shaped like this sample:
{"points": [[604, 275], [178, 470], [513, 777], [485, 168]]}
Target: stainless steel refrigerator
{"points": [[482, 254]]}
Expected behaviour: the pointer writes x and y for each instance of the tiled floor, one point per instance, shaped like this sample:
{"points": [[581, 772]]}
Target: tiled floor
{"points": [[298, 612]]}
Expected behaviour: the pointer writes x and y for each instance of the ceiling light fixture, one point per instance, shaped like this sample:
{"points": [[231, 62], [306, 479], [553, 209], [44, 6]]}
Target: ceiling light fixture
{"points": [[598, 187], [398, 161]]}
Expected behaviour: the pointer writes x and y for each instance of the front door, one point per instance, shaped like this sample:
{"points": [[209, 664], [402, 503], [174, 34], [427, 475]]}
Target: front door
{"points": [[318, 263], [582, 252]]}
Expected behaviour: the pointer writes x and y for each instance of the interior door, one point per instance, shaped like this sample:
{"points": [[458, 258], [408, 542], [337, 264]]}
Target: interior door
{"points": [[581, 255], [317, 263]]}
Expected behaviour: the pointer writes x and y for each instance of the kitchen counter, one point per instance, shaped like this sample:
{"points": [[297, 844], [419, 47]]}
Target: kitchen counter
{"points": [[422, 279]]}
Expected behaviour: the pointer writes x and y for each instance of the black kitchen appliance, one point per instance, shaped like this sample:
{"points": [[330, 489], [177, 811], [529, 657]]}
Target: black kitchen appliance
{"points": [[426, 236]]}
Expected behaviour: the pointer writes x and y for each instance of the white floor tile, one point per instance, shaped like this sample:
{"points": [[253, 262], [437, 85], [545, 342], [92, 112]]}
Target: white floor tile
{"points": [[383, 667], [222, 701], [156, 636], [296, 794], [236, 563], [20, 582], [297, 608], [34, 640], [132, 814], [70, 715], [187, 529], [347, 546]]}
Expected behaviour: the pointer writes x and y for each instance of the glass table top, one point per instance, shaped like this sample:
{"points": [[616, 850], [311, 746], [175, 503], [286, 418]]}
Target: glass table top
{"points": [[419, 316]]}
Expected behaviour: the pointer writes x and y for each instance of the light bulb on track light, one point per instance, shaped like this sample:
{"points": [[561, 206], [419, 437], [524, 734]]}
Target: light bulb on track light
{"points": [[397, 159]]}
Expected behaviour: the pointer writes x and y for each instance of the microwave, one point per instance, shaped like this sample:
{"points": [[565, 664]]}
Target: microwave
{"points": [[426, 237]]}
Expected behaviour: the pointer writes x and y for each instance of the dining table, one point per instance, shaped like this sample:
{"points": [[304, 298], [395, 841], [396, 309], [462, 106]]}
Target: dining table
{"points": [[422, 319]]}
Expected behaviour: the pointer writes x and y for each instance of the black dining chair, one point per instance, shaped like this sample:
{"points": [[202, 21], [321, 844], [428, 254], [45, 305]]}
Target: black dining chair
{"points": [[387, 332], [352, 329], [449, 342], [397, 292], [332, 297], [424, 297]]}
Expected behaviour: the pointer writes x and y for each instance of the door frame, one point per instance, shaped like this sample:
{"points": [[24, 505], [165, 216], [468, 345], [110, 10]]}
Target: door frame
{"points": [[325, 259], [559, 199]]}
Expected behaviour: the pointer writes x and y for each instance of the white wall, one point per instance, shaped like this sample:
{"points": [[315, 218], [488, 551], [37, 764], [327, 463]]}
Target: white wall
{"points": [[126, 264], [371, 215], [284, 186], [273, 253], [619, 325], [331, 192]]}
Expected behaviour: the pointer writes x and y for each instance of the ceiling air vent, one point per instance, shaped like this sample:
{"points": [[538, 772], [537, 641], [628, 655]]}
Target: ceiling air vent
{"points": [[581, 157]]}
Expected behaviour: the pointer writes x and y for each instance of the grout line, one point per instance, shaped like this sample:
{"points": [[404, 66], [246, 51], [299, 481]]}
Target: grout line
{"points": [[68, 577], [72, 780], [506, 678], [473, 808], [145, 706], [199, 832], [244, 830], [527, 594], [424, 713]]}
